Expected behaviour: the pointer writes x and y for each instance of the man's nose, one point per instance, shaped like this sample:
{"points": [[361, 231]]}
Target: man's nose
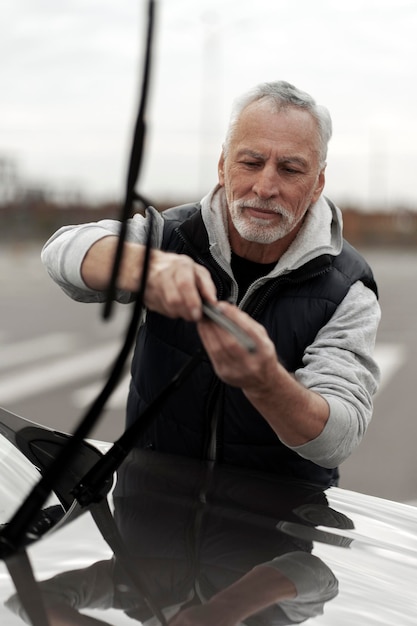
{"points": [[266, 184]]}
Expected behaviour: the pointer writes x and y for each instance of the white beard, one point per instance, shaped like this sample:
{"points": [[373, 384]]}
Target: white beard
{"points": [[260, 230]]}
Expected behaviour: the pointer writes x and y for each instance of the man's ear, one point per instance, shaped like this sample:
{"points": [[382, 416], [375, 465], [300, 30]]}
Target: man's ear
{"points": [[220, 169], [321, 179]]}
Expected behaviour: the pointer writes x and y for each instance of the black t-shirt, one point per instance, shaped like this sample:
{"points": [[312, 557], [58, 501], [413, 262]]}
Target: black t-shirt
{"points": [[246, 272]]}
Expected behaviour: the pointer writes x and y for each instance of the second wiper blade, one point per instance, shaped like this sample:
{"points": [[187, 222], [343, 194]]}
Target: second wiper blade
{"points": [[215, 315]]}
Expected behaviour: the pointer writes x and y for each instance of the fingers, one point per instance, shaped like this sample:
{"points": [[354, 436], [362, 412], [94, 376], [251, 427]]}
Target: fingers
{"points": [[214, 313], [232, 362], [219, 334], [176, 286], [220, 343]]}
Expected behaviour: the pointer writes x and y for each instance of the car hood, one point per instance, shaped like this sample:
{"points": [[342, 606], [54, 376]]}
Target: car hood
{"points": [[176, 532]]}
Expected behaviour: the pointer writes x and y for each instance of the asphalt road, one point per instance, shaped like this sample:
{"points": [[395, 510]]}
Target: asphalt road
{"points": [[55, 355]]}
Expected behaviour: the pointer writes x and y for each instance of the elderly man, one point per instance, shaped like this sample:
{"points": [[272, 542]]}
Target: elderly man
{"points": [[266, 247]]}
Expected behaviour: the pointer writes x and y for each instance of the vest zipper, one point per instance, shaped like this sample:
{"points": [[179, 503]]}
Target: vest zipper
{"points": [[255, 305]]}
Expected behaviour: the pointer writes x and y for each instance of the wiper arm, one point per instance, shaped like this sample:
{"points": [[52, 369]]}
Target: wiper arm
{"points": [[135, 162], [12, 536]]}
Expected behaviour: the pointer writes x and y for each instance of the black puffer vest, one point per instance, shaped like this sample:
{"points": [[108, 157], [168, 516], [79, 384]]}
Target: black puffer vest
{"points": [[205, 416]]}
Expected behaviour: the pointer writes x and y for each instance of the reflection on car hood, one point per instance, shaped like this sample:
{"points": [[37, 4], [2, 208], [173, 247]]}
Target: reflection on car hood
{"points": [[197, 532]]}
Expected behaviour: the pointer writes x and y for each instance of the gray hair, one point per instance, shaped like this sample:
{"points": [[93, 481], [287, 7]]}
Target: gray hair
{"points": [[283, 95]]}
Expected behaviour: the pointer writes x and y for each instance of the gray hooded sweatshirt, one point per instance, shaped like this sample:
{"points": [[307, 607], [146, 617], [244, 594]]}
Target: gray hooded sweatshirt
{"points": [[338, 365]]}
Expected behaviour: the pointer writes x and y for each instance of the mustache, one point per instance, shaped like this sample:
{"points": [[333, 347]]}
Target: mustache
{"points": [[263, 205]]}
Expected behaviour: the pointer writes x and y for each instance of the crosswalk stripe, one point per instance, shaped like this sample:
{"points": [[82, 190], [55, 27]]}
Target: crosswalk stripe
{"points": [[83, 396], [389, 357], [38, 379], [35, 348], [57, 373]]}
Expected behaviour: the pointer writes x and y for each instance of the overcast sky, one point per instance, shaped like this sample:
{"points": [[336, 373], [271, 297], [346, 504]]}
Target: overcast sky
{"points": [[70, 79]]}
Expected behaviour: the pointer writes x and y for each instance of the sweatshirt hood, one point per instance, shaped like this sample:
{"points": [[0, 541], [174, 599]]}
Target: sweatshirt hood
{"points": [[321, 232]]}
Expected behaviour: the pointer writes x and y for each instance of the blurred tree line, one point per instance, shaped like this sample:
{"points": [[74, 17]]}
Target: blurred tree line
{"points": [[33, 214], [34, 218]]}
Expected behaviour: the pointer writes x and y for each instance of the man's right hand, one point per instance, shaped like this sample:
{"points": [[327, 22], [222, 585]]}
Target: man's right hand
{"points": [[175, 285]]}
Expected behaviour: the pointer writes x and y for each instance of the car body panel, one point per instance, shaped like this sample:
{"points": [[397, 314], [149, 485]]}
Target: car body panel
{"points": [[195, 528]]}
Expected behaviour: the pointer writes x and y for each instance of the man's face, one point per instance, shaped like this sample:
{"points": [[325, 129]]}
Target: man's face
{"points": [[271, 173]]}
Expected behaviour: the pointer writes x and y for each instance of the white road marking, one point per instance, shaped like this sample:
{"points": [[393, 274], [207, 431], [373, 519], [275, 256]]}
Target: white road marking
{"points": [[390, 357], [36, 348], [62, 372], [83, 396], [38, 379]]}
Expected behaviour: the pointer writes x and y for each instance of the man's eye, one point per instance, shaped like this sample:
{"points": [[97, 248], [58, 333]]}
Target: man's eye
{"points": [[251, 164]]}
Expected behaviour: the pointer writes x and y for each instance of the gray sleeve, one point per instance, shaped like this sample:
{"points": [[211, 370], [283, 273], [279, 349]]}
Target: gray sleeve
{"points": [[64, 252], [339, 365], [315, 583]]}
